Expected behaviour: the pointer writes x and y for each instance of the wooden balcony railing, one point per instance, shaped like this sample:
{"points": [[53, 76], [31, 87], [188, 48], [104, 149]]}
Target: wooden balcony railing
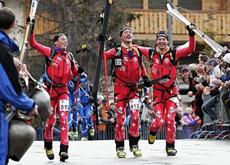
{"points": [[149, 22]]}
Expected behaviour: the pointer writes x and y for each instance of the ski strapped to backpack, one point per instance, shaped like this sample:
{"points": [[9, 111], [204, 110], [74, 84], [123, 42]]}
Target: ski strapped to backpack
{"points": [[117, 61]]}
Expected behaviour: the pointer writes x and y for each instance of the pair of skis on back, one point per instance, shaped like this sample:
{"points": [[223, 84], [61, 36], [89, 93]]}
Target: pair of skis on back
{"points": [[177, 15]]}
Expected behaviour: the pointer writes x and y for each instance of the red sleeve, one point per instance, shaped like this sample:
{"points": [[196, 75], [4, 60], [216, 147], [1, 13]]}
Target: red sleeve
{"points": [[44, 50], [186, 49], [110, 54], [144, 51]]}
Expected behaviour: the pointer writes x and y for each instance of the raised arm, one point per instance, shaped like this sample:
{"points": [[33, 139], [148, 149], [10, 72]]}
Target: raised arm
{"points": [[186, 49], [44, 50]]}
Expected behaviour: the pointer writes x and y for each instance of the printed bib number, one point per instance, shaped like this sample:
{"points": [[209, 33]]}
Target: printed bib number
{"points": [[118, 62], [64, 105], [134, 104]]}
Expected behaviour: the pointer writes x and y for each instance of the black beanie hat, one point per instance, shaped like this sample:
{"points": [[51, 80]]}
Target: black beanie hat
{"points": [[124, 28], [162, 34]]}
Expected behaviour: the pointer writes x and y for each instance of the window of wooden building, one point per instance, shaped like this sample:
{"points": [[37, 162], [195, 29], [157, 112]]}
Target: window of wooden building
{"points": [[135, 4], [191, 5], [157, 4]]}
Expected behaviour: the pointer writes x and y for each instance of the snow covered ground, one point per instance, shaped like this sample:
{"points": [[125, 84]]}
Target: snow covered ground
{"points": [[190, 152]]}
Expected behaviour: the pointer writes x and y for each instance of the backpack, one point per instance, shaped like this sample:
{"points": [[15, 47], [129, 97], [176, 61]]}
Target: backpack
{"points": [[172, 53], [117, 61], [53, 52], [49, 59]]}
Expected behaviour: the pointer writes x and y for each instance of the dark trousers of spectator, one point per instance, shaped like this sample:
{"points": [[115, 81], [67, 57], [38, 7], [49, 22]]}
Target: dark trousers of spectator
{"points": [[210, 107], [102, 135], [39, 133], [110, 131], [197, 104], [226, 101], [179, 132]]}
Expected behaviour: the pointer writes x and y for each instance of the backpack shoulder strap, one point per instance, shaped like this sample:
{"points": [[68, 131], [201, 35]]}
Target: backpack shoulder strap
{"points": [[139, 54], [118, 51], [117, 55], [71, 57], [49, 59], [172, 56], [151, 53], [112, 65]]}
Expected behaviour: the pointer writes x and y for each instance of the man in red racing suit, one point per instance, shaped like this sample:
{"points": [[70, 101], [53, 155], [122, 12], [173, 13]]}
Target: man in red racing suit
{"points": [[163, 62], [60, 70], [128, 71]]}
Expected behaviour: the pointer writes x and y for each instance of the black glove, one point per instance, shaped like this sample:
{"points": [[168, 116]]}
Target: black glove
{"points": [[32, 24], [146, 81], [100, 37], [190, 31], [80, 70]]}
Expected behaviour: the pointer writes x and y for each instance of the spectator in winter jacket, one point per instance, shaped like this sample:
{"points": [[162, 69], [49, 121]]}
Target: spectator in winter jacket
{"points": [[10, 89]]}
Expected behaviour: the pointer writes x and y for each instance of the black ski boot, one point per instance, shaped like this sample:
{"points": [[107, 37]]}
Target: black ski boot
{"points": [[63, 152], [133, 146], [49, 150], [120, 149], [170, 149], [151, 137]]}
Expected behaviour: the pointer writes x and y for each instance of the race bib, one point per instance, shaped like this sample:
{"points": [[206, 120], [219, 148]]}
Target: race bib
{"points": [[118, 62], [134, 104], [64, 105]]}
